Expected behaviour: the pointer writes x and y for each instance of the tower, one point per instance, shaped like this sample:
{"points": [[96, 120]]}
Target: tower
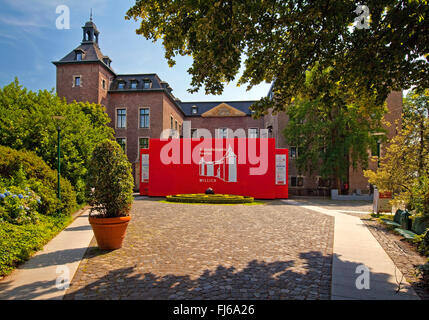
{"points": [[85, 73]]}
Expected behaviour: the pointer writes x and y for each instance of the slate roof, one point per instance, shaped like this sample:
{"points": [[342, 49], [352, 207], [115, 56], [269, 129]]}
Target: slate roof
{"points": [[206, 106], [157, 83], [92, 53]]}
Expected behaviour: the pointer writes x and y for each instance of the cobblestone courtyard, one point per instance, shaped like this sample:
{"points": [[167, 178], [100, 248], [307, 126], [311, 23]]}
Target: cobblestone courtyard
{"points": [[180, 251]]}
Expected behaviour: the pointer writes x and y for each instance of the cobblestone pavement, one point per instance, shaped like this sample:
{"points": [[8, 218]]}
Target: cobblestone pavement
{"points": [[180, 251], [402, 253]]}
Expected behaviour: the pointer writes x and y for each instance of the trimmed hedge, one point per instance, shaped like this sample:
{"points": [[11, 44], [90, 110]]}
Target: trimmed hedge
{"points": [[209, 198], [40, 178]]}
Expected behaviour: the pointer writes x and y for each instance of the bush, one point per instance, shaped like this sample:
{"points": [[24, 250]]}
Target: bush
{"points": [[18, 205], [209, 198], [23, 169], [110, 181], [19, 242]]}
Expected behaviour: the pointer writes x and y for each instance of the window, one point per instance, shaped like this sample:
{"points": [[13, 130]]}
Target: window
{"points": [[123, 143], [253, 132], [324, 182], [121, 118], [78, 56], [296, 181], [223, 133], [143, 143], [77, 81], [194, 109], [175, 125], [133, 84], [293, 152], [171, 122], [121, 85], [146, 84], [144, 118], [103, 82]]}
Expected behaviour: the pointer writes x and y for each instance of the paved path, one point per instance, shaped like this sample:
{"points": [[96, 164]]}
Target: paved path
{"points": [[354, 245], [36, 279], [281, 250], [181, 251]]}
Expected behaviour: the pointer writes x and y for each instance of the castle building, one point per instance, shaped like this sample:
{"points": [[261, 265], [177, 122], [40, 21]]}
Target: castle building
{"points": [[142, 106]]}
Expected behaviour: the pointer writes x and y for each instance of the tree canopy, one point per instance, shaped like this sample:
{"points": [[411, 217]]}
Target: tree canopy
{"points": [[331, 134], [26, 123], [281, 40], [404, 169]]}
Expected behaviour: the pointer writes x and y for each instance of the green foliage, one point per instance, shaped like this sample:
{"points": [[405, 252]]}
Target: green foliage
{"points": [[281, 40], [331, 134], [404, 169], [209, 198], [25, 170], [19, 242], [26, 123], [110, 181], [18, 205]]}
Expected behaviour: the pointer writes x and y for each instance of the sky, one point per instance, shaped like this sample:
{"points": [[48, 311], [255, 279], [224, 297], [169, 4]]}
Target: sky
{"points": [[30, 41]]}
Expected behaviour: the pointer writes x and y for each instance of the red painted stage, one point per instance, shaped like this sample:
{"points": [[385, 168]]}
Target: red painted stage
{"points": [[241, 166]]}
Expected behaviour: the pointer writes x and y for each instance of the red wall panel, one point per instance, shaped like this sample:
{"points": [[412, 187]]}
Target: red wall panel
{"points": [[243, 166]]}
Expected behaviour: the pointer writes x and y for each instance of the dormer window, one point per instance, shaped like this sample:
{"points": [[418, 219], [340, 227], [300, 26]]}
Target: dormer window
{"points": [[133, 84], [121, 85], [147, 84], [78, 56], [194, 109]]}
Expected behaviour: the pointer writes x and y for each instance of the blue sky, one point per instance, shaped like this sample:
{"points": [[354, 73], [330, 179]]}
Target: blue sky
{"points": [[30, 41]]}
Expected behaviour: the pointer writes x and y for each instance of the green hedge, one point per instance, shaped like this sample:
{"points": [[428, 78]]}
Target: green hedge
{"points": [[25, 169], [209, 198], [19, 242]]}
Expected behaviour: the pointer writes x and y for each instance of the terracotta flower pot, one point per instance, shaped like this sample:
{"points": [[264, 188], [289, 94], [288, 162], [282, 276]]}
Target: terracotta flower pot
{"points": [[109, 232]]}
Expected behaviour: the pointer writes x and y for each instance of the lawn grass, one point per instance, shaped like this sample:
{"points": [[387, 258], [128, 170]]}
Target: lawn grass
{"points": [[19, 242], [254, 203]]}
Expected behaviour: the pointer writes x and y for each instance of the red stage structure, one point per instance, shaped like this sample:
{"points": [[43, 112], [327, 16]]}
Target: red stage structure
{"points": [[241, 166]]}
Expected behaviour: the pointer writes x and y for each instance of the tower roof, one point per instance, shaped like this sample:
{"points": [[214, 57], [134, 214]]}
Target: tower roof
{"points": [[89, 49]]}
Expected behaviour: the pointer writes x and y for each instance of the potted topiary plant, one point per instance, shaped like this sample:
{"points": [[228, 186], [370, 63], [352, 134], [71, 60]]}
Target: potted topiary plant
{"points": [[110, 193]]}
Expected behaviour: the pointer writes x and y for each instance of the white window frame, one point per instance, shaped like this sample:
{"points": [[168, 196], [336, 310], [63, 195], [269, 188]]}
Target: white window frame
{"points": [[138, 142], [74, 81], [139, 122], [126, 143], [116, 118]]}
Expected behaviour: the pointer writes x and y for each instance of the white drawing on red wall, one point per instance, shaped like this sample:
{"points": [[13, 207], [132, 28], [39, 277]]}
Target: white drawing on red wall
{"points": [[224, 169]]}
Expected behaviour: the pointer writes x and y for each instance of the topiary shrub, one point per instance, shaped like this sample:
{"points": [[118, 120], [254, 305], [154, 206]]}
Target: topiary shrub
{"points": [[110, 181], [24, 169]]}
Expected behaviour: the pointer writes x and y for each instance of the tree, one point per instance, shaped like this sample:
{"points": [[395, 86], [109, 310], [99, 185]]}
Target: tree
{"points": [[331, 134], [282, 40], [110, 181], [26, 123], [404, 169]]}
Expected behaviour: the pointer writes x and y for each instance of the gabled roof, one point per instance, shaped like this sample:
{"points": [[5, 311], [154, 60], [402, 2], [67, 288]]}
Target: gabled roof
{"points": [[203, 107]]}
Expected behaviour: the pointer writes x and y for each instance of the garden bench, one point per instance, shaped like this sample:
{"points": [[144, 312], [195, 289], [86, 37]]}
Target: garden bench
{"points": [[396, 219]]}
